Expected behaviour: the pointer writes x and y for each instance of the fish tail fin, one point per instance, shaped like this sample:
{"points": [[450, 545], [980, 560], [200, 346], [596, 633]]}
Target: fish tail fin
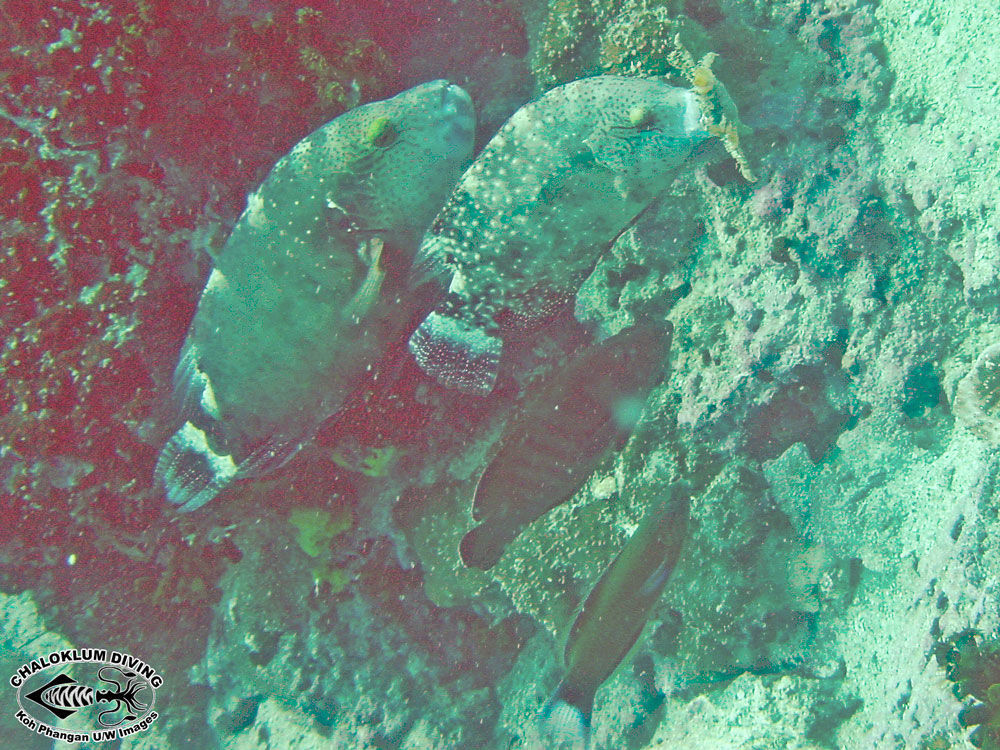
{"points": [[482, 547], [456, 354], [563, 725], [190, 385], [190, 470]]}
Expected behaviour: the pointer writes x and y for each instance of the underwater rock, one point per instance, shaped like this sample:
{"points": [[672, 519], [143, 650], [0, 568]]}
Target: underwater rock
{"points": [[977, 400], [378, 661], [565, 430], [550, 192], [299, 301], [26, 636]]}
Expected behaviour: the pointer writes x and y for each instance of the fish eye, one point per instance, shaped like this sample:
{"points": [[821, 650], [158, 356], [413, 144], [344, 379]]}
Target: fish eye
{"points": [[381, 132], [641, 117]]}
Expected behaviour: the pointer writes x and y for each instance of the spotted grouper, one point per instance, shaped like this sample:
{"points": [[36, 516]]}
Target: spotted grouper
{"points": [[299, 302], [548, 194]]}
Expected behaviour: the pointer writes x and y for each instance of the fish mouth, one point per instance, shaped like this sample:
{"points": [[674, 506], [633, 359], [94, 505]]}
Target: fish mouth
{"points": [[456, 101], [456, 108], [452, 99]]}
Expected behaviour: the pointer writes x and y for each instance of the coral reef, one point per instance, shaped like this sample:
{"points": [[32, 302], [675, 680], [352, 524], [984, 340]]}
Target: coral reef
{"points": [[976, 397], [823, 318], [317, 528], [381, 662], [130, 135], [829, 397], [24, 635]]}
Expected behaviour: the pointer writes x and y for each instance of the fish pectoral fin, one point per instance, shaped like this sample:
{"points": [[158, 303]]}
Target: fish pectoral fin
{"points": [[622, 187], [430, 263], [371, 285]]}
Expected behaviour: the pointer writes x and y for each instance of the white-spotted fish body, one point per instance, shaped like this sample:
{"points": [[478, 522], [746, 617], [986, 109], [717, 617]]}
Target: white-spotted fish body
{"points": [[549, 193], [295, 309]]}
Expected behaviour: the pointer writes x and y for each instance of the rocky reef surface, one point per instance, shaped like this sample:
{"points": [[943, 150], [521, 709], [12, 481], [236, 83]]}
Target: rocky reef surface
{"points": [[831, 387]]}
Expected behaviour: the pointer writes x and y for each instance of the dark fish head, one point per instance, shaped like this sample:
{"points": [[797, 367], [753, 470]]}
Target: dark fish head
{"points": [[443, 111], [410, 150], [646, 128]]}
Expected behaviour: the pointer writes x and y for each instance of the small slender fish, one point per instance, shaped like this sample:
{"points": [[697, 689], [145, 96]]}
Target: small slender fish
{"points": [[564, 432], [299, 302], [612, 618], [548, 194]]}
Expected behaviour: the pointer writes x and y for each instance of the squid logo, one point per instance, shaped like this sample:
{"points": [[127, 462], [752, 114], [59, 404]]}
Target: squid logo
{"points": [[83, 695], [62, 696]]}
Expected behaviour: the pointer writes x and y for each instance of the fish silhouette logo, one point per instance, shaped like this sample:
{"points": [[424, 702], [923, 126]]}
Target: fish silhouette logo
{"points": [[93, 695], [63, 696]]}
